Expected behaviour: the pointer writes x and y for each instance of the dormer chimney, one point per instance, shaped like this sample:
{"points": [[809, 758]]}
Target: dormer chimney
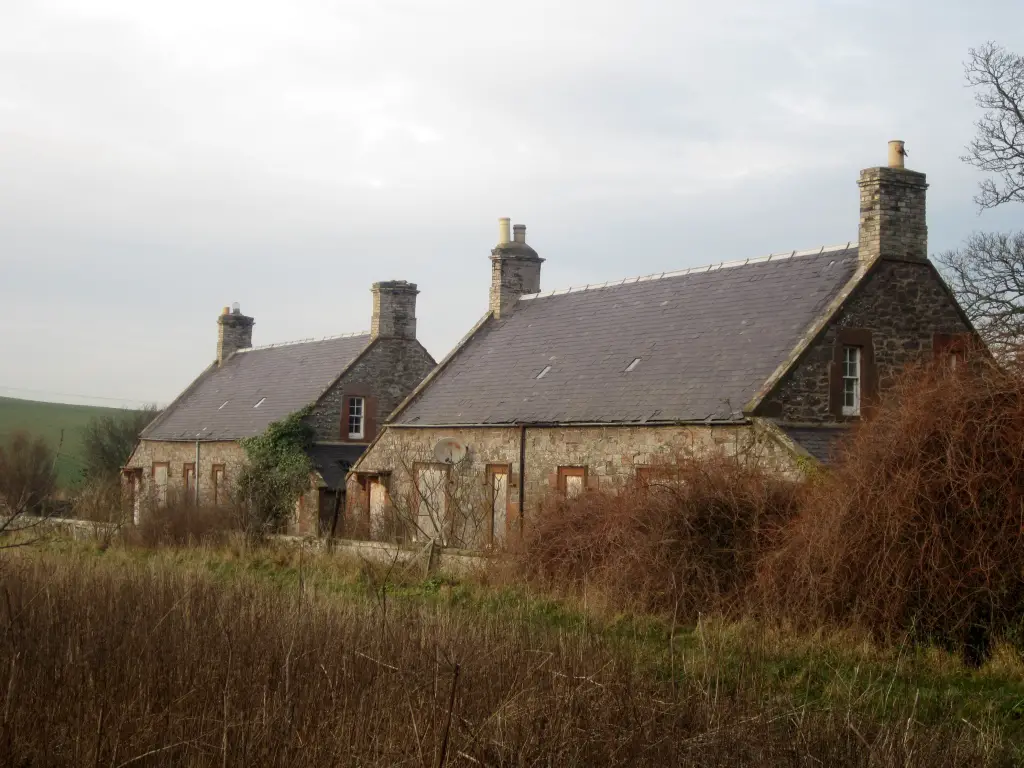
{"points": [[234, 332], [515, 269], [394, 310], [892, 211]]}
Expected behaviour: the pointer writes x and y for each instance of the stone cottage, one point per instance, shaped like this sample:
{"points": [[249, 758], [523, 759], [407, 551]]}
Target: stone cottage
{"points": [[595, 386], [351, 382]]}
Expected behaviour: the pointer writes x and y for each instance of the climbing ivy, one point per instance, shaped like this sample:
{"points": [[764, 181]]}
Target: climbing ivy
{"points": [[276, 472]]}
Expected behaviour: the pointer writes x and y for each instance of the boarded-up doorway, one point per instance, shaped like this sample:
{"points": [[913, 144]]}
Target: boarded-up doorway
{"points": [[431, 502], [497, 475], [378, 503]]}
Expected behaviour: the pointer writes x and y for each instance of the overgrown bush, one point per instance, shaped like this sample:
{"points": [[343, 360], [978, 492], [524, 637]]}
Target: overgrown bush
{"points": [[686, 543], [27, 475], [181, 522], [918, 528], [276, 472]]}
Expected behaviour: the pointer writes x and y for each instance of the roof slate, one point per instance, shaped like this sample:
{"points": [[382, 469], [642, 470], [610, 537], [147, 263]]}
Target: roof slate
{"points": [[820, 442], [334, 461], [706, 340], [221, 403]]}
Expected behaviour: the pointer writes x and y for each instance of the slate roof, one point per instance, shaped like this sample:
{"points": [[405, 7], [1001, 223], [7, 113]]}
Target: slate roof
{"points": [[221, 403], [820, 442], [334, 461], [706, 340]]}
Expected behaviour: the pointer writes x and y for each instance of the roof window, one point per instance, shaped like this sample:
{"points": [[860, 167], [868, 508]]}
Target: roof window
{"points": [[260, 402], [634, 364], [544, 373], [223, 404]]}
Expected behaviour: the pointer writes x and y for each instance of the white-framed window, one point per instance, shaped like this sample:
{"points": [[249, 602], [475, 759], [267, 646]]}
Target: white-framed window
{"points": [[851, 381], [356, 417]]}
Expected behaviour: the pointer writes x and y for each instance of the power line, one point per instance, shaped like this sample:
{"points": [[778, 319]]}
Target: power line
{"points": [[51, 393]]}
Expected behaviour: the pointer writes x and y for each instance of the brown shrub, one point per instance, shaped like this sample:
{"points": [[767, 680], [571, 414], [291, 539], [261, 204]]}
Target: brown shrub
{"points": [[918, 527], [180, 522], [687, 542], [27, 474]]}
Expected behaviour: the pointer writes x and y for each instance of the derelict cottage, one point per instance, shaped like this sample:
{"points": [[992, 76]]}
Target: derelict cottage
{"points": [[589, 387], [351, 382]]}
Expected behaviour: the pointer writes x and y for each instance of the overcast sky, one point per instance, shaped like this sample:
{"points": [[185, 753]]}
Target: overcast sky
{"points": [[159, 160]]}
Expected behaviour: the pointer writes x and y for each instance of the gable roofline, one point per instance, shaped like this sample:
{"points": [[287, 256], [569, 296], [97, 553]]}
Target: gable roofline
{"points": [[166, 412], [854, 284], [343, 371], [310, 340], [419, 387], [693, 270]]}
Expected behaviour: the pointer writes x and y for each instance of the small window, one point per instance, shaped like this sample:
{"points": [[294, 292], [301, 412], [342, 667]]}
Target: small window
{"points": [[544, 373], [257, 404], [356, 417], [634, 364], [189, 473], [572, 481], [851, 381]]}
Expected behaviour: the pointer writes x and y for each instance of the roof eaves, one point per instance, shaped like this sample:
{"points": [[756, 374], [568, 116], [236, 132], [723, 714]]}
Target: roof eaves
{"points": [[166, 412], [808, 338], [438, 368], [419, 387], [775, 432]]}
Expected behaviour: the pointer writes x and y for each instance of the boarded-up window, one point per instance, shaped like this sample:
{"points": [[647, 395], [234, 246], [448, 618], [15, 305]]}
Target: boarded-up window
{"points": [[431, 501], [497, 481], [572, 481], [188, 472], [219, 491], [161, 470]]}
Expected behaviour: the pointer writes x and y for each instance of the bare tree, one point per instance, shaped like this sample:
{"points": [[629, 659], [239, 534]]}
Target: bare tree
{"points": [[28, 478], [108, 441], [987, 275], [998, 147]]}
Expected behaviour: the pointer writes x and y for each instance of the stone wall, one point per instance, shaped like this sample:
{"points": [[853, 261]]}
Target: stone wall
{"points": [[387, 373], [609, 454], [903, 305], [177, 454]]}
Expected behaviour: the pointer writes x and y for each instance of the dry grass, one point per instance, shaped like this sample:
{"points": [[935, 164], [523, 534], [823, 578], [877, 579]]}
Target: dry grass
{"points": [[220, 657]]}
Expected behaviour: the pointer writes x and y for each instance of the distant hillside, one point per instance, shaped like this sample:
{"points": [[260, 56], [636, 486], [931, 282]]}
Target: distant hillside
{"points": [[47, 420]]}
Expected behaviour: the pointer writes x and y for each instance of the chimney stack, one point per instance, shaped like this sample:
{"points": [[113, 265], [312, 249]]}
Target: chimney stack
{"points": [[892, 211], [234, 332], [394, 310], [515, 269]]}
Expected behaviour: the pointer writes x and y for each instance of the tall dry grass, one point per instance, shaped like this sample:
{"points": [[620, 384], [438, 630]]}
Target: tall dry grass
{"points": [[149, 662]]}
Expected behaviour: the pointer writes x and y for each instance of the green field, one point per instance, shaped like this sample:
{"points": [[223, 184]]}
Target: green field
{"points": [[49, 420]]}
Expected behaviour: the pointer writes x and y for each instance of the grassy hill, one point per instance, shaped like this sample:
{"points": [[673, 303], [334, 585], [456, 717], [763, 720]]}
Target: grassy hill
{"points": [[47, 420]]}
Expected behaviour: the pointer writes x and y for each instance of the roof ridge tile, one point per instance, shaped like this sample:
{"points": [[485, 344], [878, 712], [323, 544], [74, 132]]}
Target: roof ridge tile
{"points": [[693, 270]]}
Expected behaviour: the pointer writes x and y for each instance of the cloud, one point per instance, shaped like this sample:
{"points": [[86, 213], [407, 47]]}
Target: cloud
{"points": [[162, 159]]}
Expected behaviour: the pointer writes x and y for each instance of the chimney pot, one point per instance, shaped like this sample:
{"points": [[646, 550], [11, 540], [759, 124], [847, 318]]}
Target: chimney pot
{"points": [[896, 154], [519, 233], [503, 227]]}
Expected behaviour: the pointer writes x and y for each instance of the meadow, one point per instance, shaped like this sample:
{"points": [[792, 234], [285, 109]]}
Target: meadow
{"points": [[50, 421], [116, 654]]}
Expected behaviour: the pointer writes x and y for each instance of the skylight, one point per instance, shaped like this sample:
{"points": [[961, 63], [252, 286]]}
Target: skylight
{"points": [[634, 364], [544, 373], [260, 402], [223, 404]]}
